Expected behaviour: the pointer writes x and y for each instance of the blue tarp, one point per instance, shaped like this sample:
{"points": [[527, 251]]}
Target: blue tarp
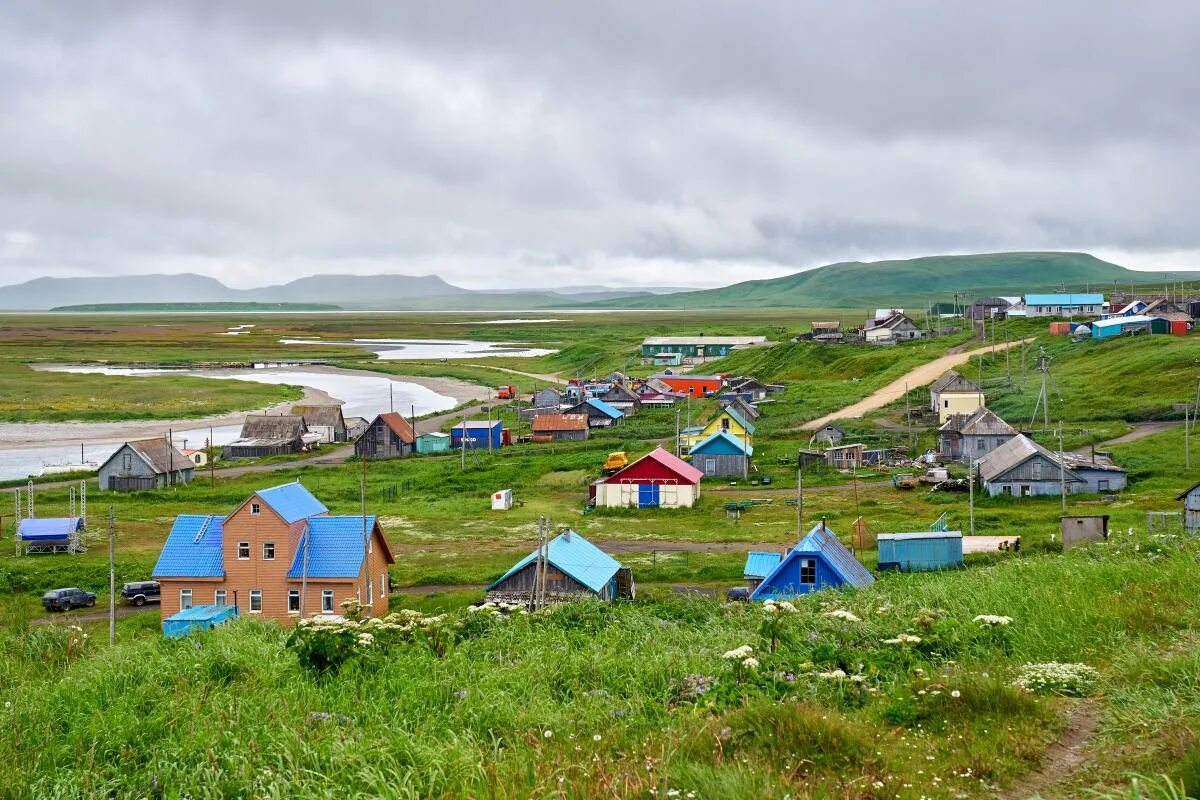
{"points": [[48, 529]]}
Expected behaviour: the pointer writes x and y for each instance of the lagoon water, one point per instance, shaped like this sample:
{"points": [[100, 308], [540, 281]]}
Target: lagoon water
{"points": [[430, 349]]}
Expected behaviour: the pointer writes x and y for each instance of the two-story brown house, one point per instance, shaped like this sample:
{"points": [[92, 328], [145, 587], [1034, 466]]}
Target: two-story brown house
{"points": [[280, 554]]}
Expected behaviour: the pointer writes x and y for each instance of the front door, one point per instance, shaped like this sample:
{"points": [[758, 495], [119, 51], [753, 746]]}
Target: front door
{"points": [[647, 495]]}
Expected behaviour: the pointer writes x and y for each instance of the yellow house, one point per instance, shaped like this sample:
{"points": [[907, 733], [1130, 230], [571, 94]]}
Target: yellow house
{"points": [[953, 394], [728, 420]]}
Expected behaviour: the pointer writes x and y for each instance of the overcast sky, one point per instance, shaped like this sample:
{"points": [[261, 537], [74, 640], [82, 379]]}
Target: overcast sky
{"points": [[545, 144]]}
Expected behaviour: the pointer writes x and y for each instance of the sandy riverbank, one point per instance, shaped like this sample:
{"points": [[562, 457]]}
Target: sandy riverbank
{"points": [[38, 434]]}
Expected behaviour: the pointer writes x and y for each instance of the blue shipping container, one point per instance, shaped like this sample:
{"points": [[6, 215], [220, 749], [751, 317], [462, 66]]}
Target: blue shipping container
{"points": [[479, 433], [920, 552]]}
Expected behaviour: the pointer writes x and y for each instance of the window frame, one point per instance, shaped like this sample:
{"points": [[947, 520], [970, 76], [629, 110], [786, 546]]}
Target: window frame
{"points": [[243, 546], [255, 508], [808, 566], [293, 594], [182, 593], [252, 609], [220, 597], [266, 557], [327, 601]]}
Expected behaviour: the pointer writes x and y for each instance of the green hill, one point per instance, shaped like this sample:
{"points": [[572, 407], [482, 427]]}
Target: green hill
{"points": [[852, 284]]}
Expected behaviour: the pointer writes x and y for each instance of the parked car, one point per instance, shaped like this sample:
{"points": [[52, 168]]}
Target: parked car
{"points": [[139, 593], [66, 599], [738, 594]]}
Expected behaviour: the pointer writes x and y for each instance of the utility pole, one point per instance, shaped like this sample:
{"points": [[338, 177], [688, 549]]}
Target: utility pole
{"points": [[1187, 450], [1062, 470], [912, 435], [112, 576], [971, 495], [799, 496], [1007, 354], [391, 399], [212, 452], [362, 494], [462, 444], [677, 448]]}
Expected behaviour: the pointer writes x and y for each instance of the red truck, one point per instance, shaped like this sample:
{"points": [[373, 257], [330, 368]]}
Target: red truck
{"points": [[506, 393]]}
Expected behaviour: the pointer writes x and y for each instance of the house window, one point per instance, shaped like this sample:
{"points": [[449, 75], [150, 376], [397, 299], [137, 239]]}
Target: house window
{"points": [[219, 597], [947, 403], [724, 423], [293, 601], [1037, 470], [327, 600], [710, 467], [255, 508], [126, 462], [1102, 484], [256, 601], [981, 445], [808, 571], [243, 551], [370, 589], [268, 551], [1006, 489], [383, 582], [185, 599]]}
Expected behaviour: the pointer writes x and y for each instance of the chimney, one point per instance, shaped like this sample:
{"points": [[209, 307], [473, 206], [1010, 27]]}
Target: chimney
{"points": [[567, 535]]}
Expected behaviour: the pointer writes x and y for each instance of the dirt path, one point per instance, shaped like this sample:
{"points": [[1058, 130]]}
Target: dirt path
{"points": [[1063, 759], [549, 377], [73, 617], [920, 376], [1141, 430]]}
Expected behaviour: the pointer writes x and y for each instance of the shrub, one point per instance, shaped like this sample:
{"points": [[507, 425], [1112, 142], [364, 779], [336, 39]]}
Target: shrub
{"points": [[1066, 680]]}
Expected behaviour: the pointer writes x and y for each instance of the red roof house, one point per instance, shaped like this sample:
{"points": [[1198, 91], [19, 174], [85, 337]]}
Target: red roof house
{"points": [[656, 480]]}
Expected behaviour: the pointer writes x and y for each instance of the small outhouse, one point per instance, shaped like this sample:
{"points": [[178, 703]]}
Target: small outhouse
{"points": [[1082, 530], [502, 500], [1191, 509], [921, 551]]}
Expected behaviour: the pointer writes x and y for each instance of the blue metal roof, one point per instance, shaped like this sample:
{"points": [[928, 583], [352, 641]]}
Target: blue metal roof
{"points": [[747, 425], [201, 613], [292, 502], [336, 548], [48, 528], [478, 423], [576, 556], [605, 408], [760, 565], [193, 548], [723, 442], [822, 542], [1116, 322], [1086, 299]]}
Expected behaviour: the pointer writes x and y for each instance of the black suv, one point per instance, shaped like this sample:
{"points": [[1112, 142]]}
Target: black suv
{"points": [[66, 599], [141, 592]]}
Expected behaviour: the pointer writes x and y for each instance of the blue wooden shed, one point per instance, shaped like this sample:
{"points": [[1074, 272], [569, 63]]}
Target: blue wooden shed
{"points": [[921, 551], [759, 565], [433, 442], [480, 434], [820, 561], [197, 618]]}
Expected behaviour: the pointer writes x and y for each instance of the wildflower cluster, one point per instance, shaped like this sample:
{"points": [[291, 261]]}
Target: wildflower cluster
{"points": [[1069, 680], [325, 643], [903, 639], [742, 656], [842, 614], [693, 687], [992, 620], [776, 622]]}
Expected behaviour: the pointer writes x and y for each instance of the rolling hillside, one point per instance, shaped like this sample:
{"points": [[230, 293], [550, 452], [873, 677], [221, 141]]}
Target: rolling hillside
{"points": [[855, 283]]}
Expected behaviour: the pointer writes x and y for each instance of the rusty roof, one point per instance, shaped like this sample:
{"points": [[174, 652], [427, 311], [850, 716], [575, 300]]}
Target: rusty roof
{"points": [[560, 422]]}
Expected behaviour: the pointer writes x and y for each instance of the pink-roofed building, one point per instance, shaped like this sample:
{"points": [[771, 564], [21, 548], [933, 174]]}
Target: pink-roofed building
{"points": [[656, 480]]}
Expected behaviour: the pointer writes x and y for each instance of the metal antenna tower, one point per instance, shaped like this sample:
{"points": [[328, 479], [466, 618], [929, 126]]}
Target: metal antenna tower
{"points": [[1043, 366]]}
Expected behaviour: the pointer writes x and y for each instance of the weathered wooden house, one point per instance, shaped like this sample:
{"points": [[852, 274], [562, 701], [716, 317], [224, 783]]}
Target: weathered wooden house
{"points": [[949, 438], [754, 390], [268, 435], [546, 398], [990, 307], [819, 561], [896, 327], [279, 555], [656, 480], [739, 404], [845, 456], [560, 428], [621, 398], [1191, 508], [1098, 475], [981, 433], [722, 455], [355, 427], [830, 435], [1022, 468], [954, 394], [389, 435], [827, 332], [145, 464], [326, 421], [599, 413], [574, 569]]}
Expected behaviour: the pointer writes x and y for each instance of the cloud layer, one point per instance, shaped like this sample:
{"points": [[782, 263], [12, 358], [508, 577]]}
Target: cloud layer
{"points": [[549, 143]]}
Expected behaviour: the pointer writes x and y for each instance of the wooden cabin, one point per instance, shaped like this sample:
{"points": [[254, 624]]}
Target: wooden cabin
{"points": [[268, 435], [145, 464], [722, 455], [560, 428], [389, 435], [819, 561], [573, 569], [326, 420]]}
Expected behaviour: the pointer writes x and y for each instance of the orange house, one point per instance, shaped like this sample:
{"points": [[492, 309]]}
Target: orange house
{"points": [[279, 555], [693, 385]]}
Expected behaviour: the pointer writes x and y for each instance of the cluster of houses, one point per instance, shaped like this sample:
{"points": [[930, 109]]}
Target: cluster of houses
{"points": [[1123, 315], [675, 351]]}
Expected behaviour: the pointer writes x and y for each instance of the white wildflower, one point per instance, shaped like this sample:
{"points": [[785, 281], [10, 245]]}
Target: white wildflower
{"points": [[548, 733], [750, 663], [841, 613], [992, 620], [903, 638], [740, 653], [596, 737], [956, 694], [833, 675]]}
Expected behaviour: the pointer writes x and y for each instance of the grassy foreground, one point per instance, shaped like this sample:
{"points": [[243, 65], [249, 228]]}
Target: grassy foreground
{"points": [[602, 701]]}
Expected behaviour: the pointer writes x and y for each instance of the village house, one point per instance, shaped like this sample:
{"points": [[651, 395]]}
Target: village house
{"points": [[622, 399], [575, 569], [325, 421], [599, 413], [694, 349], [896, 327], [738, 403], [1098, 475], [656, 480], [355, 427], [830, 435], [953, 394], [845, 456], [279, 555], [389, 435], [145, 464], [560, 428], [728, 420], [1191, 508], [819, 561], [692, 385], [749, 388], [981, 433], [266, 435], [990, 307], [197, 457], [722, 455], [826, 332], [1064, 305], [1022, 468]]}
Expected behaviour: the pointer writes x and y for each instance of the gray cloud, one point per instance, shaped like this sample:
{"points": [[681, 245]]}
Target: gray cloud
{"points": [[626, 142]]}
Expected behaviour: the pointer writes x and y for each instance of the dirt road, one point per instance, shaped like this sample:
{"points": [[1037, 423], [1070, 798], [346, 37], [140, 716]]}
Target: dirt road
{"points": [[920, 376], [75, 617], [549, 377]]}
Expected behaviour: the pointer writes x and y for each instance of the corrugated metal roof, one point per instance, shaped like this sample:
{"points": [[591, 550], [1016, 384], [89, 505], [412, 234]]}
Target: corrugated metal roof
{"points": [[895, 537], [605, 408], [330, 415], [193, 548], [1086, 299], [335, 548], [952, 382], [703, 340], [576, 556], [157, 454], [1114, 322], [560, 422], [668, 460], [985, 422], [482, 424], [268, 426], [292, 502], [749, 427], [48, 528], [1013, 453], [760, 565], [398, 425], [722, 436], [822, 540]]}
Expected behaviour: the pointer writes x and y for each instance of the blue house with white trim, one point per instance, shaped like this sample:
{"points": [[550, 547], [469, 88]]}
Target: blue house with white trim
{"points": [[1087, 304], [575, 570], [722, 455], [820, 561]]}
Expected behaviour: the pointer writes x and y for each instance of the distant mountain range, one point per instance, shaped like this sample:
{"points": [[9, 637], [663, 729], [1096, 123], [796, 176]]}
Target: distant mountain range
{"points": [[843, 285]]}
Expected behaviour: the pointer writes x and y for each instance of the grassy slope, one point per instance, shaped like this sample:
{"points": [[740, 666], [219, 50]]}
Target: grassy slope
{"points": [[854, 284]]}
